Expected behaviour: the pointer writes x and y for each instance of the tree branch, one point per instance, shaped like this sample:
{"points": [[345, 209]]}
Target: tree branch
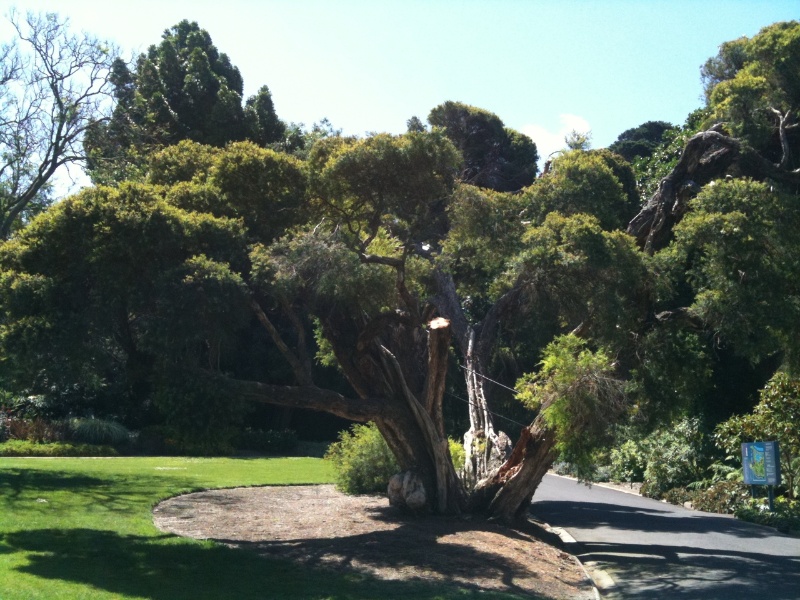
{"points": [[313, 398]]}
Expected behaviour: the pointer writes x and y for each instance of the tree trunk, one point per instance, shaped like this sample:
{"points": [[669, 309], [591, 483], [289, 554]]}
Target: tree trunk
{"points": [[506, 494], [485, 448]]}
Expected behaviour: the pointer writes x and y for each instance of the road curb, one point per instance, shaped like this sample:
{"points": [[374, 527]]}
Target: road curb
{"points": [[601, 582]]}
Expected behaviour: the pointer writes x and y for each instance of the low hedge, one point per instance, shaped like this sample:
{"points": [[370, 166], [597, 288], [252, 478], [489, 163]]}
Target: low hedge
{"points": [[29, 448]]}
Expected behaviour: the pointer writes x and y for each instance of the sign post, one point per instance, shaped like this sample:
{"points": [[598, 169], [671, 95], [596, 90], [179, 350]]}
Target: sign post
{"points": [[762, 466]]}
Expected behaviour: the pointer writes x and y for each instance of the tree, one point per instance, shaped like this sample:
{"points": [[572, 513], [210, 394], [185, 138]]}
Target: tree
{"points": [[54, 86], [184, 88], [495, 156], [364, 272], [592, 182], [116, 290], [752, 98], [640, 141]]}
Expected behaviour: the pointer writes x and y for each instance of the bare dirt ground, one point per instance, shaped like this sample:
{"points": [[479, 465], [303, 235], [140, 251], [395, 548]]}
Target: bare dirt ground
{"points": [[320, 527]]}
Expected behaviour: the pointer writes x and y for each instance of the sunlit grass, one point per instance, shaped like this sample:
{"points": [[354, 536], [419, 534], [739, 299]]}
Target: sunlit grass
{"points": [[74, 528]]}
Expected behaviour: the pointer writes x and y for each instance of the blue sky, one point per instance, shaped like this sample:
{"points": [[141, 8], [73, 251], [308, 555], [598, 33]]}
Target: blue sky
{"points": [[544, 67]]}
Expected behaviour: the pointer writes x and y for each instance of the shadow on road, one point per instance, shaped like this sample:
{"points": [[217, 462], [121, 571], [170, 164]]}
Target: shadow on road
{"points": [[672, 553], [634, 518]]}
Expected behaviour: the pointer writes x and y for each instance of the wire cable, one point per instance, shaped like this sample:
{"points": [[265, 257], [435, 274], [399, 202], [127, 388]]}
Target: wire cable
{"points": [[482, 376], [491, 412]]}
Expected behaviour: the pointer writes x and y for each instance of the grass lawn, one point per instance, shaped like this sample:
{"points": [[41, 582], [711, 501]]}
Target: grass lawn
{"points": [[81, 528]]}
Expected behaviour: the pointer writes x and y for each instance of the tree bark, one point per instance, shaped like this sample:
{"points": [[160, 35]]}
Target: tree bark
{"points": [[708, 155], [506, 494]]}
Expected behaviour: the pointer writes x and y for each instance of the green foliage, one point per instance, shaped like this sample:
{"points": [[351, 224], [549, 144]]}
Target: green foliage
{"points": [[641, 141], [181, 89], [263, 187], [737, 250], [578, 396], [495, 156], [675, 457], [316, 268], [268, 442], [185, 161], [362, 460], [109, 280], [628, 461], [673, 374], [785, 517], [99, 431], [396, 183], [592, 182], [775, 418], [723, 497], [51, 449], [485, 233], [201, 410], [458, 455], [752, 85], [585, 275]]}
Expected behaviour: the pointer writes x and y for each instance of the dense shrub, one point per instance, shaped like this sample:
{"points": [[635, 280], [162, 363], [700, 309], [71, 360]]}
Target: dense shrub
{"points": [[667, 459], [3, 426], [29, 448], [167, 440], [629, 461], [36, 429], [786, 517], [99, 431], [362, 460], [724, 497], [678, 495], [268, 442]]}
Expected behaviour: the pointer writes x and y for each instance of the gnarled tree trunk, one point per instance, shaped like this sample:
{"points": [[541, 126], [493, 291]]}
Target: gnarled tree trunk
{"points": [[507, 492]]}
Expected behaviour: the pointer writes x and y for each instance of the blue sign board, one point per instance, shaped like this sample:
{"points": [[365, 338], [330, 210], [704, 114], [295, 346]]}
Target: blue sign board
{"points": [[762, 465]]}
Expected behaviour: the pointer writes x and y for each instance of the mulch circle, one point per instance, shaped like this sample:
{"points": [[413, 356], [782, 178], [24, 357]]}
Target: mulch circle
{"points": [[318, 526]]}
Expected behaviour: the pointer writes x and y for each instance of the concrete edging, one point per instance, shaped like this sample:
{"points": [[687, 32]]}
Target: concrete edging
{"points": [[600, 579]]}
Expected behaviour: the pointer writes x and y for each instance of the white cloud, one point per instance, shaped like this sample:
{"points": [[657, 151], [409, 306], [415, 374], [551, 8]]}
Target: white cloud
{"points": [[548, 141]]}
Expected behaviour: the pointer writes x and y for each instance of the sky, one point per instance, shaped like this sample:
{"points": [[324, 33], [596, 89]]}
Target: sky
{"points": [[545, 67]]}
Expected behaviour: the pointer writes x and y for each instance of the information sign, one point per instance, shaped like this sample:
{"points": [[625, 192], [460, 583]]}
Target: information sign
{"points": [[762, 465]]}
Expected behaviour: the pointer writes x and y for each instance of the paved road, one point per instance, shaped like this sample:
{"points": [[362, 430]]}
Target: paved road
{"points": [[657, 550]]}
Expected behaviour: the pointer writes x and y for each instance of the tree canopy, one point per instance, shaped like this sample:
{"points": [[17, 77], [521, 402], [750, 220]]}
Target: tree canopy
{"points": [[495, 156], [184, 88]]}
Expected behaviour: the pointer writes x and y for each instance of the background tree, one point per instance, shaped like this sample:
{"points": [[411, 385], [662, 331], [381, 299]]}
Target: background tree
{"points": [[640, 141], [184, 88], [598, 183], [495, 156], [54, 86]]}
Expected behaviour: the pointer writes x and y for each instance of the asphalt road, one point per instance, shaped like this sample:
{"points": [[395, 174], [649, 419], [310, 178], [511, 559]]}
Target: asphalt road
{"points": [[659, 551]]}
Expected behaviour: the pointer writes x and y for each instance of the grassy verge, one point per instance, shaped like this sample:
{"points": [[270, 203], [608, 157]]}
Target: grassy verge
{"points": [[73, 528]]}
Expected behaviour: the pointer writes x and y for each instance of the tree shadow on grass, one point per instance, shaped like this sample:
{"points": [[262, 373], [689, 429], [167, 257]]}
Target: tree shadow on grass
{"points": [[114, 493], [170, 568]]}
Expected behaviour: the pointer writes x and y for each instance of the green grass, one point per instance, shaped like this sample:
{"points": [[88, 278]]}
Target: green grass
{"points": [[81, 528]]}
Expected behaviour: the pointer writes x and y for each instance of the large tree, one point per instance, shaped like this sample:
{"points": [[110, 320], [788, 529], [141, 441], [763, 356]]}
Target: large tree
{"points": [[373, 256], [54, 86], [369, 266], [183, 88]]}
